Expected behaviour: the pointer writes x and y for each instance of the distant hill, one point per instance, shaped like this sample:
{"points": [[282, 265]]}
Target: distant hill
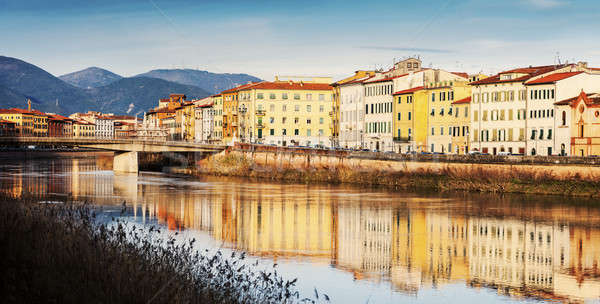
{"points": [[136, 95], [211, 82], [29, 80], [20, 80], [91, 77]]}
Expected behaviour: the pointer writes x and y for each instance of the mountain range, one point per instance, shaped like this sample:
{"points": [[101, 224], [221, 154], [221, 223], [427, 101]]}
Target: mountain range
{"points": [[98, 89]]}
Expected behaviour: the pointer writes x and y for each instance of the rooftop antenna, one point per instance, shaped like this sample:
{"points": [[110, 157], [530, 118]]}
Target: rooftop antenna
{"points": [[558, 57]]}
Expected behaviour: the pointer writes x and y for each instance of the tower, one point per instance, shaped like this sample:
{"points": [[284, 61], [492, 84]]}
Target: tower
{"points": [[29, 105]]}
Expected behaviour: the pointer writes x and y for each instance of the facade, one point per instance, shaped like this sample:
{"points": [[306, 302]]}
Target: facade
{"points": [[543, 93], [287, 113], [441, 122], [508, 113], [59, 126], [578, 125], [8, 128], [461, 124], [83, 129], [410, 117], [23, 120], [217, 136], [170, 125], [208, 121], [105, 126], [351, 94], [351, 107]]}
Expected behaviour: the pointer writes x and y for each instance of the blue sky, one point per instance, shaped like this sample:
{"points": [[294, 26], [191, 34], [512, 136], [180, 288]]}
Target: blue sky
{"points": [[264, 38]]}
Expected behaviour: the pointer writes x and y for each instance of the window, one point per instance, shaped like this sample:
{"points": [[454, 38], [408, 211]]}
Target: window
{"points": [[272, 96], [308, 132], [432, 96], [296, 96], [260, 96], [284, 132], [409, 115], [272, 132], [297, 108], [284, 96], [432, 131], [308, 108], [320, 132], [399, 99], [321, 120], [271, 119], [399, 116], [549, 133], [308, 96], [321, 108], [308, 121], [321, 97], [283, 119], [284, 108], [441, 131], [296, 120], [564, 118], [296, 132]]}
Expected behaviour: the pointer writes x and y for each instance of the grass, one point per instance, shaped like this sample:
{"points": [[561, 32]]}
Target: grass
{"points": [[478, 178], [60, 253]]}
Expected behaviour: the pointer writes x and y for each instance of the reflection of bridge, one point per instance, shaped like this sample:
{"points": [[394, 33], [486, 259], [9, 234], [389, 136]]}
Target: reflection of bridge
{"points": [[126, 150]]}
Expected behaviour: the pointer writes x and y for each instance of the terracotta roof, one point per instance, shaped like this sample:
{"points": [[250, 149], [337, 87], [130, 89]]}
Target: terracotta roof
{"points": [[123, 117], [360, 80], [20, 111], [9, 111], [461, 74], [591, 100], [232, 90], [412, 90], [7, 121], [292, 86], [463, 101], [530, 73], [553, 78], [83, 122], [385, 79], [58, 117], [164, 100], [161, 110]]}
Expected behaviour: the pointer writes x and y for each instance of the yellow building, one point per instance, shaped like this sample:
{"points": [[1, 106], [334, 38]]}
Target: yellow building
{"points": [[441, 121], [287, 113], [230, 113], [22, 118], [40, 123], [410, 120], [83, 129], [185, 122], [217, 101], [462, 122]]}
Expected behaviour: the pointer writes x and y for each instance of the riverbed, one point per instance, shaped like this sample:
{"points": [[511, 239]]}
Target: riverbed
{"points": [[358, 245]]}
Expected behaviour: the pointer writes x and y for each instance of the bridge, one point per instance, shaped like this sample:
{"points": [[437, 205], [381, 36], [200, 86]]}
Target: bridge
{"points": [[126, 150]]}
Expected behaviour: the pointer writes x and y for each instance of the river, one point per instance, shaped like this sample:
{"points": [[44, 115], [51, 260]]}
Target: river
{"points": [[357, 245]]}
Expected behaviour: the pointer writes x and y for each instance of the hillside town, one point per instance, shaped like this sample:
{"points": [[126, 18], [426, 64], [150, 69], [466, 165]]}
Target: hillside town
{"points": [[533, 110]]}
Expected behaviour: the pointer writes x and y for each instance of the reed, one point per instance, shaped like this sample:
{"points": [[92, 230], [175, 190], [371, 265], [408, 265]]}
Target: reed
{"points": [[62, 253]]}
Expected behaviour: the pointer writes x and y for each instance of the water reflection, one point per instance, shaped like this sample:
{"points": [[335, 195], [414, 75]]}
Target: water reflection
{"points": [[522, 247]]}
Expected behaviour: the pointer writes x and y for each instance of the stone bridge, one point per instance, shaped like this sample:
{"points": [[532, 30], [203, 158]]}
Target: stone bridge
{"points": [[126, 150]]}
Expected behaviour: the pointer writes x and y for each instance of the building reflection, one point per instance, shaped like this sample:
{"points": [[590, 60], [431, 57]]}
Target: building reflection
{"points": [[519, 246]]}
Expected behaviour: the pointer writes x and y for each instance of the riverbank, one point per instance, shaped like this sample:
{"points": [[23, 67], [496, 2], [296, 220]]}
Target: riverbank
{"points": [[59, 252], [546, 180]]}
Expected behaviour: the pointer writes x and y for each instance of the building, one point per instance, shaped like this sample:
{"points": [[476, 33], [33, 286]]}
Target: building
{"points": [[184, 121], [508, 113], [83, 129], [125, 129], [8, 128], [23, 120], [352, 96], [59, 126], [542, 95], [170, 125], [441, 121], [208, 122], [410, 117], [461, 125], [578, 125], [349, 101], [40, 123], [230, 113], [217, 136], [105, 126], [287, 112]]}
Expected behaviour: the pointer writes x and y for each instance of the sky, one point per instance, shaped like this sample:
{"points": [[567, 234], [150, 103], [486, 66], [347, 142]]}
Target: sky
{"points": [[305, 38]]}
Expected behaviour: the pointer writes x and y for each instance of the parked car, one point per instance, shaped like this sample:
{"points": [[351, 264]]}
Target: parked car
{"points": [[474, 153], [504, 153]]}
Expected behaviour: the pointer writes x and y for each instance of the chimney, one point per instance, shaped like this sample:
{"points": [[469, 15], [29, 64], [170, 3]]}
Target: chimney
{"points": [[276, 78], [29, 105], [582, 64]]}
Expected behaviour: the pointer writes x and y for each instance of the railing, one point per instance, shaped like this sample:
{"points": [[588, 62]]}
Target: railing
{"points": [[260, 125], [260, 112]]}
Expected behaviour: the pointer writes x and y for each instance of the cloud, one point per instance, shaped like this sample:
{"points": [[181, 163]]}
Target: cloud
{"points": [[407, 49], [546, 4]]}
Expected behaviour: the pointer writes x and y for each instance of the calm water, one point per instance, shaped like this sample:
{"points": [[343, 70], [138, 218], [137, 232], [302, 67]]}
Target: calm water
{"points": [[357, 245]]}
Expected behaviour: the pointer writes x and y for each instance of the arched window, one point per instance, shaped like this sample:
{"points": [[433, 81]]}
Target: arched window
{"points": [[564, 118]]}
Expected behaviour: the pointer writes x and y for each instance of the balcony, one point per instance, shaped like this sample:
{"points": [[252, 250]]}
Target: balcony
{"points": [[260, 112], [260, 125], [402, 139], [234, 124], [330, 113]]}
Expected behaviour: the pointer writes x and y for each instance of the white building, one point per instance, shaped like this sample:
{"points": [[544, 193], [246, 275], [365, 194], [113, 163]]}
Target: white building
{"points": [[379, 112], [208, 118], [352, 114], [105, 126], [542, 121]]}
